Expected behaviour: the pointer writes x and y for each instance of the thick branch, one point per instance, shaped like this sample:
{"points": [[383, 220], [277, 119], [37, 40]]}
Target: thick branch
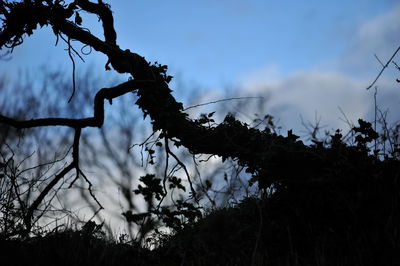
{"points": [[105, 15], [96, 121], [251, 147]]}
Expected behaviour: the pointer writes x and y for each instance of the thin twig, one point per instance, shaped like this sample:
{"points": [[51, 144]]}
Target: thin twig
{"points": [[185, 169], [223, 100], [73, 70], [42, 195], [90, 189], [380, 62], [383, 68]]}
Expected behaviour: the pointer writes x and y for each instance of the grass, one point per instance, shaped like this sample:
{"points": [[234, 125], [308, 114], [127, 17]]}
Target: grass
{"points": [[254, 232]]}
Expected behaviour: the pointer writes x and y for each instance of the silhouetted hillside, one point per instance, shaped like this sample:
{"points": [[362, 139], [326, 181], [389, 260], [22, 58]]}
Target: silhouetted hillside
{"points": [[347, 216]]}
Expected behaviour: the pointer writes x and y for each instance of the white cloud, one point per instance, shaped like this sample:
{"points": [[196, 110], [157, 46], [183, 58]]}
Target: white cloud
{"points": [[323, 92], [379, 36], [304, 94]]}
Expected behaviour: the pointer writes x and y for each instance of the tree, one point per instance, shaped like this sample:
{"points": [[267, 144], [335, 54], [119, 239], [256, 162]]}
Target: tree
{"points": [[283, 163], [149, 81]]}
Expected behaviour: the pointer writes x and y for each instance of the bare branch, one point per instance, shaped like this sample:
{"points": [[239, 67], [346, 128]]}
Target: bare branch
{"points": [[96, 121], [223, 100], [383, 67], [105, 14], [43, 194]]}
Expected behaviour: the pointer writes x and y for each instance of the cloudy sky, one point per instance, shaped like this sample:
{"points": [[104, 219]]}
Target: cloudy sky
{"points": [[306, 57]]}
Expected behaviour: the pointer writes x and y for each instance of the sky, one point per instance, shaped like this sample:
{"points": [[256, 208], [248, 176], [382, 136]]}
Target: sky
{"points": [[306, 57]]}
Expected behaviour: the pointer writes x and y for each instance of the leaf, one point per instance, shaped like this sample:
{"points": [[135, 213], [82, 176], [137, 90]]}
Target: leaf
{"points": [[78, 19]]}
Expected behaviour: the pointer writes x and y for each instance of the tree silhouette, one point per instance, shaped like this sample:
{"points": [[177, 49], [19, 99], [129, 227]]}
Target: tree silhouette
{"points": [[231, 139], [327, 190]]}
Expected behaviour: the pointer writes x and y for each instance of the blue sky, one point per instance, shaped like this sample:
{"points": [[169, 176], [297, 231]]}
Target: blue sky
{"points": [[215, 42], [262, 46]]}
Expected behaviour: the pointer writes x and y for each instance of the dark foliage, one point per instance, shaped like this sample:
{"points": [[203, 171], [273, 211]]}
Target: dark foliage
{"points": [[347, 215], [72, 248]]}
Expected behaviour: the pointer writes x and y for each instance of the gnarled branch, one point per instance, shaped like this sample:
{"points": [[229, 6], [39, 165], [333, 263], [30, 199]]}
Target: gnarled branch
{"points": [[252, 148]]}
